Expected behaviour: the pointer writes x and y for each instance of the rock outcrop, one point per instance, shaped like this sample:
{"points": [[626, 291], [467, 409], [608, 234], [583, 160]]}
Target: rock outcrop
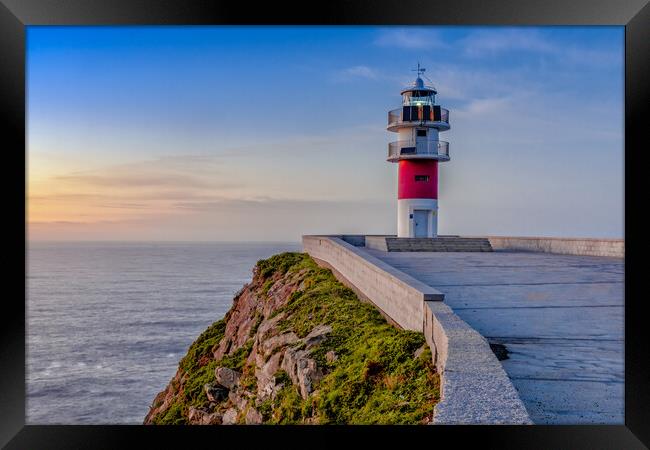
{"points": [[287, 330]]}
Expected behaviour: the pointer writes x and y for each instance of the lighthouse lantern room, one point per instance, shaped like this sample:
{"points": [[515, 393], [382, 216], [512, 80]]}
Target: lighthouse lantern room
{"points": [[417, 153]]}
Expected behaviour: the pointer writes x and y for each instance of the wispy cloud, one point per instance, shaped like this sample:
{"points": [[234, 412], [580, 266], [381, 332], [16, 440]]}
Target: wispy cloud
{"points": [[410, 39], [357, 72], [129, 190], [483, 107], [283, 219], [361, 71], [133, 180], [167, 172], [593, 57], [490, 42]]}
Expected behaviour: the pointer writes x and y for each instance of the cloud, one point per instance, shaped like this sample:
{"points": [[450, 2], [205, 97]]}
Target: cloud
{"points": [[410, 39], [483, 107], [167, 172], [357, 72], [125, 205], [74, 223], [490, 42], [265, 202], [593, 57], [231, 219], [134, 180], [361, 71]]}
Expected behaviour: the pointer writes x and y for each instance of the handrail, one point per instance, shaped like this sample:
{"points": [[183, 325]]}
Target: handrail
{"points": [[395, 116], [415, 149]]}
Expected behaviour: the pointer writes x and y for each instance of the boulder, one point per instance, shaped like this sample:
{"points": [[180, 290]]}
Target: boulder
{"points": [[199, 416], [281, 340], [280, 293], [229, 417], [215, 392], [303, 371], [253, 417], [195, 415], [317, 335], [211, 419], [222, 348], [265, 373], [269, 390], [238, 399], [226, 377], [267, 327]]}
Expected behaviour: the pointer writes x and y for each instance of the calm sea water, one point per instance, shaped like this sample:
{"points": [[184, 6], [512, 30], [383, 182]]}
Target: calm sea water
{"points": [[107, 323]]}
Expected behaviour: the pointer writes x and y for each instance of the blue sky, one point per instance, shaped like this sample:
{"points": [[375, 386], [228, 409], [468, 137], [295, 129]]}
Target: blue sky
{"points": [[267, 133]]}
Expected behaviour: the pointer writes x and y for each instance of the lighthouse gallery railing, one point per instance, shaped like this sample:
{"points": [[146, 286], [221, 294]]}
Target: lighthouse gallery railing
{"points": [[396, 116], [410, 149]]}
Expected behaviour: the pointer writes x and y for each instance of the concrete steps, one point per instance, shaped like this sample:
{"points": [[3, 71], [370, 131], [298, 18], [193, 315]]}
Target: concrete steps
{"points": [[439, 244]]}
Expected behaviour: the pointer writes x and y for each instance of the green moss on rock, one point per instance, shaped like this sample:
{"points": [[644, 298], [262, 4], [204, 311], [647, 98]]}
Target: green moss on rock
{"points": [[375, 377]]}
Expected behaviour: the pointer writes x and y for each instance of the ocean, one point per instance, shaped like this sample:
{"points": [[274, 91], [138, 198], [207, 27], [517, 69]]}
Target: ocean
{"points": [[107, 323]]}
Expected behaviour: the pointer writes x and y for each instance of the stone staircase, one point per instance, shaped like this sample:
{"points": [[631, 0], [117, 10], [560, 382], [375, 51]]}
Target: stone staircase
{"points": [[438, 244]]}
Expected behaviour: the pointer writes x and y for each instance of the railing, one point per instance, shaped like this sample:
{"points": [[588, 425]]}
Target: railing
{"points": [[423, 149], [395, 116]]}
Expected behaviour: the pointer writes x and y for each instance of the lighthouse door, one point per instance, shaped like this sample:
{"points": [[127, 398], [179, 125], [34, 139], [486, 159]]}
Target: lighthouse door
{"points": [[421, 222]]}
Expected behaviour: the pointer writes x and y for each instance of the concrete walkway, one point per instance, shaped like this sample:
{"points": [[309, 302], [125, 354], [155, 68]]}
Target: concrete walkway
{"points": [[561, 317]]}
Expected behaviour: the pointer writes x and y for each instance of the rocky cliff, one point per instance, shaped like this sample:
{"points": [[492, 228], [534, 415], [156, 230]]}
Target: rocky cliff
{"points": [[299, 347]]}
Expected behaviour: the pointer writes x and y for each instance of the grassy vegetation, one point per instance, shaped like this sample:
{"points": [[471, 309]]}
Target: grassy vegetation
{"points": [[198, 366], [375, 377], [237, 360], [279, 264]]}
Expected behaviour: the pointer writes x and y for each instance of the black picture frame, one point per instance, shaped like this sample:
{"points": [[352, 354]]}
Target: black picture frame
{"points": [[15, 15]]}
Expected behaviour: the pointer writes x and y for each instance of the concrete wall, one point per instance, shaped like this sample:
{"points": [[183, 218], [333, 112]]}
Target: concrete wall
{"points": [[358, 240], [376, 243], [475, 388], [566, 246]]}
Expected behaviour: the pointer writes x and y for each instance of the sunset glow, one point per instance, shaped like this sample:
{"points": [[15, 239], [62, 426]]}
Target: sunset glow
{"points": [[268, 133]]}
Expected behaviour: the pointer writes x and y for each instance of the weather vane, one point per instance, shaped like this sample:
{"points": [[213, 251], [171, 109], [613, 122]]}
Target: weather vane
{"points": [[419, 70]]}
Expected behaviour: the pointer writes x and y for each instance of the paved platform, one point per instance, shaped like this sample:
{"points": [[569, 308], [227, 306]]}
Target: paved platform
{"points": [[561, 318]]}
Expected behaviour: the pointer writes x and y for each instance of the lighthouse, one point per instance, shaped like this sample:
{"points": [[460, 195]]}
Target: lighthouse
{"points": [[417, 153]]}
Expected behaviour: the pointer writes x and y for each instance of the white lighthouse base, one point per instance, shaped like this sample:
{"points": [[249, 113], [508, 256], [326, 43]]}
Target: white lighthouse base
{"points": [[417, 217]]}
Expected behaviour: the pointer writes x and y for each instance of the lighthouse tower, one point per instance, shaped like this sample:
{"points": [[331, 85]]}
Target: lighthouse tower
{"points": [[417, 153]]}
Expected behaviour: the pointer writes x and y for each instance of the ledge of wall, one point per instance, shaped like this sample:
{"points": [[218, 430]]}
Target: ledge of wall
{"points": [[566, 246], [475, 389]]}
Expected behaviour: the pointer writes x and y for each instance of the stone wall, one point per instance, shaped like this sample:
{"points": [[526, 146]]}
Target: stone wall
{"points": [[566, 246]]}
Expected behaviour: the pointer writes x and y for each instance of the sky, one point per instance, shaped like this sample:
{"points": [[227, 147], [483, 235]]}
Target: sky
{"points": [[223, 133]]}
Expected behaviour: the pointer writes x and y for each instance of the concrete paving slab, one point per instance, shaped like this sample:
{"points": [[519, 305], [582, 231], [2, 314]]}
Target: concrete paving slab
{"points": [[579, 360], [561, 317], [528, 296], [571, 402], [551, 322]]}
